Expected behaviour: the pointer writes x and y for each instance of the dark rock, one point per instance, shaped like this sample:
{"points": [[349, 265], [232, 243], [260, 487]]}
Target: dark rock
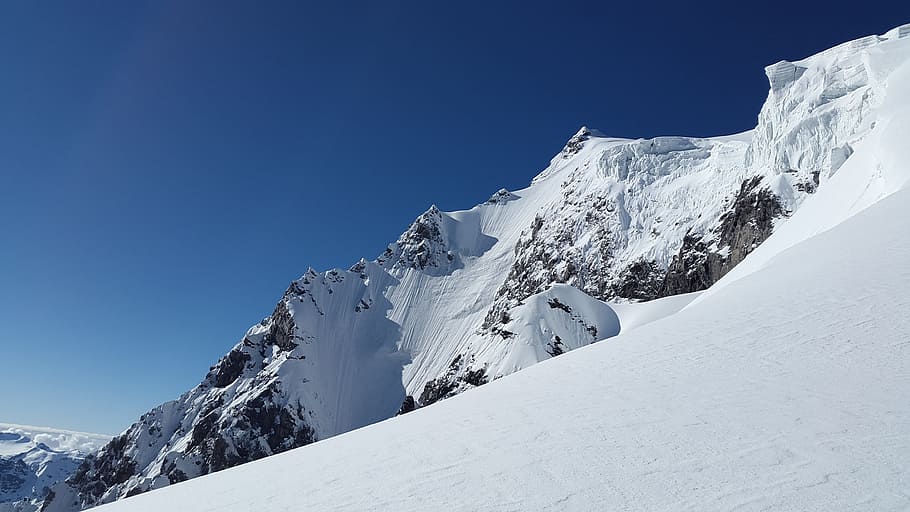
{"points": [[97, 473], [436, 390], [748, 223], [545, 254], [48, 499], [12, 475], [407, 405], [574, 145], [458, 377], [229, 368], [475, 378], [642, 280], [501, 197], [555, 347], [283, 329], [262, 427], [422, 246], [555, 304], [137, 490]]}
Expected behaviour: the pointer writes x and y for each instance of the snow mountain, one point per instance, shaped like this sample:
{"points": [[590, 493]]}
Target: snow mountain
{"points": [[32, 459], [606, 241]]}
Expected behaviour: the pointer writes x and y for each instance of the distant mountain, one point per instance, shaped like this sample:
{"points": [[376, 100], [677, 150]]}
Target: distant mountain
{"points": [[463, 298], [32, 459]]}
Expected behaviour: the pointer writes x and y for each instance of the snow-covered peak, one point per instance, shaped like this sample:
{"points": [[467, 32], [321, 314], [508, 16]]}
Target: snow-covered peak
{"points": [[32, 459], [576, 142], [818, 109], [465, 297], [438, 243], [501, 196], [424, 246]]}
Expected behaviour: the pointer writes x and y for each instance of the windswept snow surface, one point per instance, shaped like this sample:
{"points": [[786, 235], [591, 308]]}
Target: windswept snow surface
{"points": [[785, 390]]}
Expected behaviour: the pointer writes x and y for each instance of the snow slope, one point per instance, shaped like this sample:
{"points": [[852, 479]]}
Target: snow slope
{"points": [[32, 459], [784, 390], [464, 298]]}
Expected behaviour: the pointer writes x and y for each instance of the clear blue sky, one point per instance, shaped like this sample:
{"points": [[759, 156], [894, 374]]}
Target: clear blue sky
{"points": [[167, 167]]}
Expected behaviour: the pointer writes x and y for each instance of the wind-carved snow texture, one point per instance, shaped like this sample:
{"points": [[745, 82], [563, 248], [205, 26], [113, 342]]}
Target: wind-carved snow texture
{"points": [[464, 298]]}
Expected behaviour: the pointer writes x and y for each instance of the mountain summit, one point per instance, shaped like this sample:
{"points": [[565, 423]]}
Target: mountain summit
{"points": [[466, 297]]}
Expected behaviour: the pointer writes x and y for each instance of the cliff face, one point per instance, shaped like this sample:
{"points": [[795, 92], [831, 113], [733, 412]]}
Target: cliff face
{"points": [[465, 297]]}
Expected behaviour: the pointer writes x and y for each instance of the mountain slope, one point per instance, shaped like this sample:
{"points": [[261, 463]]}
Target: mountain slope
{"points": [[32, 459], [463, 298], [783, 390]]}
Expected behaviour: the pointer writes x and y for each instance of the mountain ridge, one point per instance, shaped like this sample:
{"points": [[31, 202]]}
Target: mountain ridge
{"points": [[466, 297], [32, 459]]}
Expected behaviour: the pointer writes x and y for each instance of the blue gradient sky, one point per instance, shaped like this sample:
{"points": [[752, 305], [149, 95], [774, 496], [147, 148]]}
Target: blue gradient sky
{"points": [[166, 168]]}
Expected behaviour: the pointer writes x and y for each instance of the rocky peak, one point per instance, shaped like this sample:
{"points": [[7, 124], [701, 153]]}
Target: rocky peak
{"points": [[576, 142], [424, 246], [501, 196]]}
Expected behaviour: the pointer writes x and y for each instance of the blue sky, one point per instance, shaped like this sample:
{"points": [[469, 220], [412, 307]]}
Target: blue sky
{"points": [[166, 168]]}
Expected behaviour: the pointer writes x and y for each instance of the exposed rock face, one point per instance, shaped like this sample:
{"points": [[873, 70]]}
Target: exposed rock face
{"points": [[13, 473], [258, 400], [642, 280], [423, 245], [98, 473], [229, 368], [701, 261], [555, 347], [547, 253], [502, 196], [223, 444], [617, 222], [407, 405], [574, 145], [282, 330], [218, 435], [460, 376]]}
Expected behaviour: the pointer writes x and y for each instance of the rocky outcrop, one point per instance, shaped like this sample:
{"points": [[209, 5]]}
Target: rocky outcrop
{"points": [[701, 261], [545, 255], [460, 376], [229, 368], [260, 427], [423, 246], [237, 414], [501, 197], [576, 142], [641, 280], [407, 405], [13, 473]]}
